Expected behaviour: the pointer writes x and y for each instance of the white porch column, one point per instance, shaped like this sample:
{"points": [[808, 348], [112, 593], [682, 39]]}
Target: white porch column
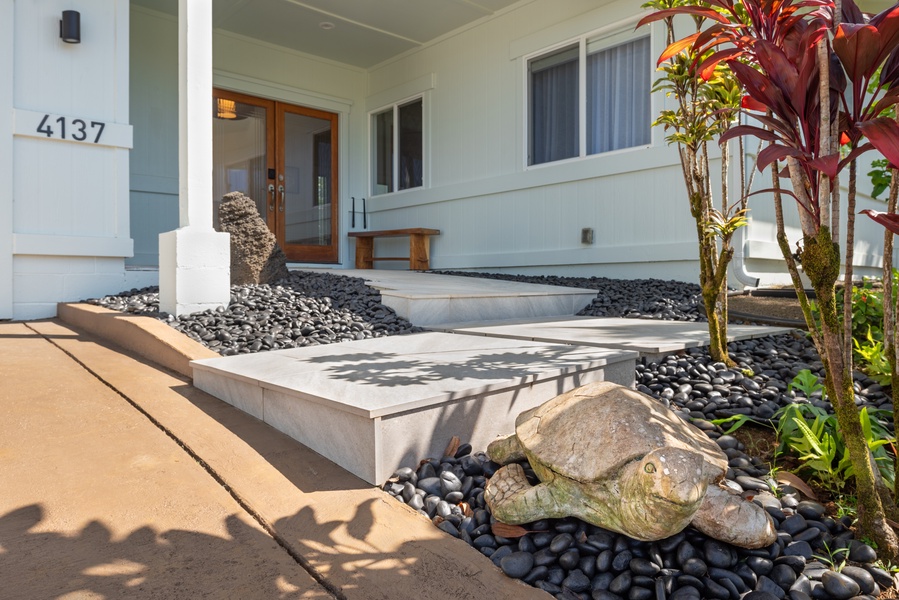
{"points": [[194, 260]]}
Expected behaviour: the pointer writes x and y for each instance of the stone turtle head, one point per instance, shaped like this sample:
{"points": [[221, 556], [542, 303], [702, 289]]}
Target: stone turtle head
{"points": [[665, 487]]}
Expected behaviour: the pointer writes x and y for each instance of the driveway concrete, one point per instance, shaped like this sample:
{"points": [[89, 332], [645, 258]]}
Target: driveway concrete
{"points": [[119, 479]]}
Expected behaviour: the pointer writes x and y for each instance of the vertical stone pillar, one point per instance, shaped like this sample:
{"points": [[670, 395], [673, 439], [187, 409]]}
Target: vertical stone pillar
{"points": [[194, 260]]}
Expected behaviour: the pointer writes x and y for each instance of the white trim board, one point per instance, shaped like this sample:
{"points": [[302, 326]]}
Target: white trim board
{"points": [[71, 245], [276, 91], [7, 44]]}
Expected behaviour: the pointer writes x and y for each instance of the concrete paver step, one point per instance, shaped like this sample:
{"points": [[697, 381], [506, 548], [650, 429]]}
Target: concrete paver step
{"points": [[375, 405], [652, 338]]}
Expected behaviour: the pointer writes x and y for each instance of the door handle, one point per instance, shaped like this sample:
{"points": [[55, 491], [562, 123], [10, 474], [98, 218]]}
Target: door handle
{"points": [[271, 204], [281, 191]]}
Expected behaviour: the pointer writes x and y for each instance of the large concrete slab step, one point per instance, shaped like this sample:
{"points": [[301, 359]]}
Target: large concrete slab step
{"points": [[426, 298], [652, 338], [374, 405]]}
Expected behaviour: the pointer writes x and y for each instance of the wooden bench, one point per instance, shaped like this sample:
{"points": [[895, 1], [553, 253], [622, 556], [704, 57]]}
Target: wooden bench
{"points": [[419, 247]]}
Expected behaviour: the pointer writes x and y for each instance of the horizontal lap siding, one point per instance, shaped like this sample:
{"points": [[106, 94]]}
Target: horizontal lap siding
{"points": [[542, 225], [492, 211]]}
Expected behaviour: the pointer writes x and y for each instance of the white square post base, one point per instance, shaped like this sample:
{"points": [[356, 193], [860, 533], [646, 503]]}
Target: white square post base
{"points": [[194, 270]]}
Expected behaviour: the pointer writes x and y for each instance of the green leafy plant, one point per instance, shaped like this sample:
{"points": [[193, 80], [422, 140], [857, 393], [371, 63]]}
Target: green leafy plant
{"points": [[812, 435], [886, 565], [806, 382], [846, 506], [867, 328], [881, 176], [835, 558], [820, 453], [873, 360], [736, 421]]}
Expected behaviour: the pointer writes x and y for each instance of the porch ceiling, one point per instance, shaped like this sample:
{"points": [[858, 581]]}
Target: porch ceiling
{"points": [[364, 33]]}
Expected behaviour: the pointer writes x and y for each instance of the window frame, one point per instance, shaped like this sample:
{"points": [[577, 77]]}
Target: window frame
{"points": [[617, 33], [395, 154]]}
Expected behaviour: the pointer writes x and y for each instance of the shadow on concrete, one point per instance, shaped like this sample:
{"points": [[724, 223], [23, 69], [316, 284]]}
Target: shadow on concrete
{"points": [[390, 370], [37, 562], [41, 563]]}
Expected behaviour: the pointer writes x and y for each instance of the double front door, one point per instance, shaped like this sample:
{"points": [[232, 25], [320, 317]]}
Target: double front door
{"points": [[284, 157]]}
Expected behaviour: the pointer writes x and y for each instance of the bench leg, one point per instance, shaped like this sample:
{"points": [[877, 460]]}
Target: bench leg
{"points": [[365, 251], [419, 252]]}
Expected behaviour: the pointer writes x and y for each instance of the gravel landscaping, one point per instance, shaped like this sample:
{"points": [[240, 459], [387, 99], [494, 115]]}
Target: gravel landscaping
{"points": [[571, 559], [305, 309], [568, 558]]}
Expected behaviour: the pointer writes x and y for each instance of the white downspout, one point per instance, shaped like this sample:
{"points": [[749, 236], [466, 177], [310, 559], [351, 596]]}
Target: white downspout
{"points": [[738, 263]]}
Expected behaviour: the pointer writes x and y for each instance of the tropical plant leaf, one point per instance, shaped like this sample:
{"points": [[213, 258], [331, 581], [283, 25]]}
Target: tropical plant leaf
{"points": [[829, 165], [750, 103], [676, 48], [775, 152], [708, 66], [889, 73], [762, 89], [797, 482], [851, 13], [883, 133], [887, 24], [858, 47], [888, 220], [508, 531], [696, 11], [739, 130]]}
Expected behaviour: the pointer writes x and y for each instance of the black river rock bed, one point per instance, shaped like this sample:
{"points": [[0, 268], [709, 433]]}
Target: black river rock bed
{"points": [[305, 309]]}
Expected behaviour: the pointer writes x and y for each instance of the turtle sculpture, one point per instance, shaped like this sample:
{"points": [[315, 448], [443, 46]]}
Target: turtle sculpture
{"points": [[621, 460]]}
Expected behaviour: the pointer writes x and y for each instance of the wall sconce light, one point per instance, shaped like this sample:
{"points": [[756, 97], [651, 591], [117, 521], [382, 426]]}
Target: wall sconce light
{"points": [[70, 27]]}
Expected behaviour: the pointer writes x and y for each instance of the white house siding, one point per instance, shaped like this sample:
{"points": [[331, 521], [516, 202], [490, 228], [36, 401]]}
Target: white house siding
{"points": [[764, 255], [64, 230], [495, 214], [240, 64]]}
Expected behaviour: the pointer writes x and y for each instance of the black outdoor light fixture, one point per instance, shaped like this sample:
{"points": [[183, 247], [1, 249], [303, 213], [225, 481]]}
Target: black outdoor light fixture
{"points": [[70, 27]]}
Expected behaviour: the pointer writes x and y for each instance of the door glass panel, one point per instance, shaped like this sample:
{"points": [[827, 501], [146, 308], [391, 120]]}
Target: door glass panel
{"points": [[307, 180], [238, 151]]}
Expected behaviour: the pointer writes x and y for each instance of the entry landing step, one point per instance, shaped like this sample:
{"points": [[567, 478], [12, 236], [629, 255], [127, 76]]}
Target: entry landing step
{"points": [[426, 299], [374, 405], [651, 338]]}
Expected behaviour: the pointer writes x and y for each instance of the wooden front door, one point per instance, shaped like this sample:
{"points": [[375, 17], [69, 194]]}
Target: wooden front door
{"points": [[284, 157]]}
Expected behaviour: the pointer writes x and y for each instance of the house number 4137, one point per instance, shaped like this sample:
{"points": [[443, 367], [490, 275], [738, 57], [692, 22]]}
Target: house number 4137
{"points": [[71, 129]]}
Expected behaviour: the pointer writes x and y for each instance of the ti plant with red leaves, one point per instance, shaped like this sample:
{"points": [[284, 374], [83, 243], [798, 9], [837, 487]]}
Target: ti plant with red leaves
{"points": [[805, 86], [704, 109]]}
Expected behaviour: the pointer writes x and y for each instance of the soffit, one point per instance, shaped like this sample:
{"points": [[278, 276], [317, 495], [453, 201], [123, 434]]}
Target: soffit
{"points": [[365, 32]]}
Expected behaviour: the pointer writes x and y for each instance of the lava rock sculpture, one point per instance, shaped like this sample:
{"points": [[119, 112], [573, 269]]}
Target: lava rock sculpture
{"points": [[255, 255]]}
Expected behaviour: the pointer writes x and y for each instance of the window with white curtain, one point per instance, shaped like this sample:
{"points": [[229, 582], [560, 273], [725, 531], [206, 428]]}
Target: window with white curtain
{"points": [[397, 147], [614, 83]]}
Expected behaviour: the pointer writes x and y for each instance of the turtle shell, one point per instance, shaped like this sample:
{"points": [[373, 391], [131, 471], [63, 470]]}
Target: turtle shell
{"points": [[589, 433]]}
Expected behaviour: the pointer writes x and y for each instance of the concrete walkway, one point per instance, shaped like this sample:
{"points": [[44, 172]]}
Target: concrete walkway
{"points": [[119, 479]]}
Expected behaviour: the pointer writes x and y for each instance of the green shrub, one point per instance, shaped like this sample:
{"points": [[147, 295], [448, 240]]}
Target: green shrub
{"points": [[811, 434], [867, 328]]}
